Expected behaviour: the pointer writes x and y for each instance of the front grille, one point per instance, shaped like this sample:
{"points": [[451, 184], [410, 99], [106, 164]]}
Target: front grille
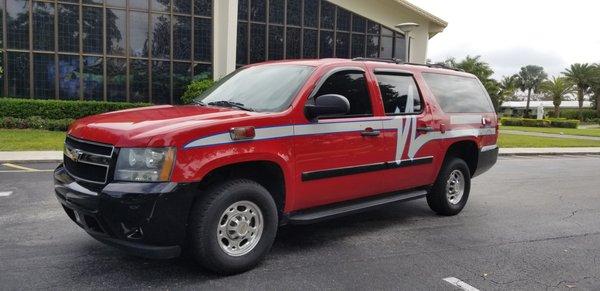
{"points": [[87, 161]]}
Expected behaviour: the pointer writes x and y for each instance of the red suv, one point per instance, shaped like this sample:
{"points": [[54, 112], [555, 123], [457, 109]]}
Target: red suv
{"points": [[289, 142]]}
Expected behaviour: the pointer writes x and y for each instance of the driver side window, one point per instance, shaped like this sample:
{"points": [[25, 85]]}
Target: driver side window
{"points": [[353, 86]]}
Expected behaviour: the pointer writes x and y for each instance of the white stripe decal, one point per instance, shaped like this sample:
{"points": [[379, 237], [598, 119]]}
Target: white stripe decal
{"points": [[466, 119]]}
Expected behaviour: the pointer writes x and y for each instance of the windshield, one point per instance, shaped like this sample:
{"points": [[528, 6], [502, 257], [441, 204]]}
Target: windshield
{"points": [[267, 88]]}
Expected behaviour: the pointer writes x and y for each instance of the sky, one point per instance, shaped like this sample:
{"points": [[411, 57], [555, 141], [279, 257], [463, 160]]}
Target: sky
{"points": [[509, 34]]}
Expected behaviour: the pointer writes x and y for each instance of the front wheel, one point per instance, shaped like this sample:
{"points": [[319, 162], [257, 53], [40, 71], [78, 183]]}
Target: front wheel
{"points": [[233, 226], [449, 194]]}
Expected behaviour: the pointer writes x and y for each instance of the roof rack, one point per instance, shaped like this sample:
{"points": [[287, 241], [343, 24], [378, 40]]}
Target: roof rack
{"points": [[401, 62]]}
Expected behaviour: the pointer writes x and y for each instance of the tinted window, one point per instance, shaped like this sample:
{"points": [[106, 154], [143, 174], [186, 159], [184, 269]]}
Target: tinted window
{"points": [[399, 93], [352, 85], [457, 94]]}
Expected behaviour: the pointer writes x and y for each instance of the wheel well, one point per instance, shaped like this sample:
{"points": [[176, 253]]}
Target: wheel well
{"points": [[268, 174], [466, 150]]}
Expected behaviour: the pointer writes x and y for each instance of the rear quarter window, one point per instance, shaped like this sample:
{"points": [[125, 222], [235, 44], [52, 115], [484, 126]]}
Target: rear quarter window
{"points": [[458, 94]]}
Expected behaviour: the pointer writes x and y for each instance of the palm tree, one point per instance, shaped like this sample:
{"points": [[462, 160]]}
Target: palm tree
{"points": [[581, 75], [557, 88], [530, 79], [595, 86]]}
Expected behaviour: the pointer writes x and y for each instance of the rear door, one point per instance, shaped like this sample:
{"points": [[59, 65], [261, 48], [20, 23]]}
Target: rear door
{"points": [[340, 158], [412, 136]]}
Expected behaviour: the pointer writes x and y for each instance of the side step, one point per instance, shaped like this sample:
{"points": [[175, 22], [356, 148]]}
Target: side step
{"points": [[345, 208]]}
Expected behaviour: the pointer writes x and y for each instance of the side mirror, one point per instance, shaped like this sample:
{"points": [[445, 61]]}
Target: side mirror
{"points": [[329, 104]]}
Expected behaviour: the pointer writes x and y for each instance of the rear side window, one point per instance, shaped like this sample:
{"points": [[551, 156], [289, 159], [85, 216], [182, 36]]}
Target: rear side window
{"points": [[457, 94], [352, 85], [399, 93]]}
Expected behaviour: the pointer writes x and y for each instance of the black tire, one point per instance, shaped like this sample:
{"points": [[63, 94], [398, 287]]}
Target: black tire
{"points": [[204, 220], [437, 198]]}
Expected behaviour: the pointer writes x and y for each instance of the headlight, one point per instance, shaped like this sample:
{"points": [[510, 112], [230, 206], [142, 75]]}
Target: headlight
{"points": [[145, 164]]}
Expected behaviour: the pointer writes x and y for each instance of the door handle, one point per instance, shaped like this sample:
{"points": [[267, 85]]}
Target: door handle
{"points": [[425, 129], [369, 131]]}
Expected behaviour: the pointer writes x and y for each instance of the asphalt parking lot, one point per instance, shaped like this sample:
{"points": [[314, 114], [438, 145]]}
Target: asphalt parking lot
{"points": [[531, 223]]}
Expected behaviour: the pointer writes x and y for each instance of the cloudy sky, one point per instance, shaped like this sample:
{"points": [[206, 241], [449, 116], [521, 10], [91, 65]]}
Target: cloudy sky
{"points": [[509, 34]]}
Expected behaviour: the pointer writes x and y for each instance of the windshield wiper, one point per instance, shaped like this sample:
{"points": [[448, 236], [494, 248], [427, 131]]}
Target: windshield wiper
{"points": [[199, 102], [225, 103]]}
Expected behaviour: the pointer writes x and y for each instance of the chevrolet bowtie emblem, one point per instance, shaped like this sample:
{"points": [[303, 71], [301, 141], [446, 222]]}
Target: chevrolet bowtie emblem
{"points": [[73, 154]]}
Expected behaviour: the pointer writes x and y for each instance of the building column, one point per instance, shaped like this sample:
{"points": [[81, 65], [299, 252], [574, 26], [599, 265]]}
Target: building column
{"points": [[224, 37]]}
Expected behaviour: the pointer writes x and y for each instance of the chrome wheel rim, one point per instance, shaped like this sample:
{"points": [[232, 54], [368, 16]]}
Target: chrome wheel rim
{"points": [[239, 228], [455, 187]]}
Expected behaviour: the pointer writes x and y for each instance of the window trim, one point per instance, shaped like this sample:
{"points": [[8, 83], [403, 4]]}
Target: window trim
{"points": [[396, 72], [331, 73]]}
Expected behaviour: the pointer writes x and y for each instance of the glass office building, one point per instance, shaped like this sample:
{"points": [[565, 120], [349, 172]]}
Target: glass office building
{"points": [[149, 50]]}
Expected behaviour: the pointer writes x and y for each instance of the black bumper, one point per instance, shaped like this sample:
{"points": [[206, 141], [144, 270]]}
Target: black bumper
{"points": [[486, 160], [145, 219]]}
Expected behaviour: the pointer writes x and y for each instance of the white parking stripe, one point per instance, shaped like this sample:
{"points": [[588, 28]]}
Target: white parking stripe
{"points": [[5, 193], [19, 167], [460, 284]]}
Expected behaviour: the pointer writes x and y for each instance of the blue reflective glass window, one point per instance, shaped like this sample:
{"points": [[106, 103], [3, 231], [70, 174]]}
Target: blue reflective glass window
{"points": [[138, 34], [17, 24], [138, 81], [373, 27], [116, 79], [94, 2], [161, 82], [182, 6], [387, 43], [93, 80], [68, 28], [181, 77], [44, 76], [68, 77], [359, 23], [311, 41], [182, 37], [243, 8], [399, 47], [326, 44], [258, 10], [161, 36], [116, 3], [203, 7], [372, 46], [293, 48], [276, 11], [202, 39], [202, 71], [342, 45], [257, 43], [115, 32], [327, 15], [275, 42], [311, 13], [138, 4], [161, 5], [93, 32], [43, 26], [294, 12], [242, 44], [358, 45], [343, 20]]}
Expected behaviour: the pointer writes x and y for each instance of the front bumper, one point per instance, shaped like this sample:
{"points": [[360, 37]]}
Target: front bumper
{"points": [[145, 219]]}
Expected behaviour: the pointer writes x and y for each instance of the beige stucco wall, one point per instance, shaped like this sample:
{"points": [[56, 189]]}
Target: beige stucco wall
{"points": [[386, 12]]}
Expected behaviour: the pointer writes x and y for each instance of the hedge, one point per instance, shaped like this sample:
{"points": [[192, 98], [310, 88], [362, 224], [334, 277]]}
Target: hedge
{"points": [[589, 115], [553, 122], [59, 109], [35, 122]]}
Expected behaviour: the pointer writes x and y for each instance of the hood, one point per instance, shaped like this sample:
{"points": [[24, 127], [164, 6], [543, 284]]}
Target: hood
{"points": [[152, 126]]}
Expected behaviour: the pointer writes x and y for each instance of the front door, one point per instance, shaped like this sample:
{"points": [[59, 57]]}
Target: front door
{"points": [[340, 158]]}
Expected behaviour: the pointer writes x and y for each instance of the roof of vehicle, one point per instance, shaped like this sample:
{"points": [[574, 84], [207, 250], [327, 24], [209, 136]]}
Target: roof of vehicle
{"points": [[375, 63]]}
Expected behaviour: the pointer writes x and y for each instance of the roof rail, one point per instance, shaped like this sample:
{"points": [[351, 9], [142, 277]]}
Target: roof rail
{"points": [[400, 62]]}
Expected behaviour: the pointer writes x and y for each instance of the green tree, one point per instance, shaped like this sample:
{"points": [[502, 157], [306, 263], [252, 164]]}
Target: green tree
{"points": [[529, 80], [508, 86], [556, 88], [582, 76], [595, 87]]}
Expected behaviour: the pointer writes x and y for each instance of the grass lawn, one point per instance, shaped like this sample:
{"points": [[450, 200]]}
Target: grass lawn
{"points": [[524, 141], [31, 140], [570, 131]]}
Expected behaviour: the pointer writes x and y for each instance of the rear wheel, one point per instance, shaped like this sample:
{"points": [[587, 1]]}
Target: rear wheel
{"points": [[450, 193], [233, 226]]}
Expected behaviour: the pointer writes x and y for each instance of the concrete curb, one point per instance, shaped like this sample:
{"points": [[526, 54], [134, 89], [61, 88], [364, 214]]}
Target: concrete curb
{"points": [[57, 156]]}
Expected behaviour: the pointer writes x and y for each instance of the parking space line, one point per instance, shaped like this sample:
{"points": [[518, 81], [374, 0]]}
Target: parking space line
{"points": [[19, 167], [460, 284], [5, 193]]}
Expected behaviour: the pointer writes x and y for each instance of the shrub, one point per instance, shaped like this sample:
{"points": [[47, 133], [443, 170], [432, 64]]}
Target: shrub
{"points": [[59, 109], [564, 123], [554, 122], [588, 114], [195, 89], [35, 122]]}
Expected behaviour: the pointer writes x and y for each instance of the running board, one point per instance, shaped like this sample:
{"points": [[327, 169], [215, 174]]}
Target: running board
{"points": [[345, 208]]}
